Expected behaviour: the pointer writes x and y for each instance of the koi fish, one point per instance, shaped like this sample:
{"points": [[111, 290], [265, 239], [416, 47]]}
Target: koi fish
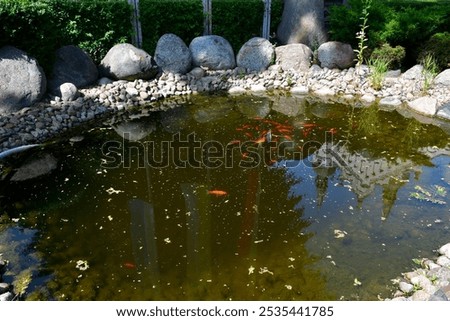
{"points": [[129, 265], [309, 125], [333, 131], [234, 142], [216, 192]]}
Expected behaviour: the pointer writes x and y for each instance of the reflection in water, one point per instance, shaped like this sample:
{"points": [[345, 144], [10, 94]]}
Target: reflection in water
{"points": [[262, 233]]}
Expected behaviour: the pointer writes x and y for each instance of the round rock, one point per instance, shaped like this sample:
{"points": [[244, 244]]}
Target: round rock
{"points": [[256, 55], [334, 54], [294, 56], [212, 52], [68, 91], [22, 80], [72, 65], [172, 54], [126, 62]]}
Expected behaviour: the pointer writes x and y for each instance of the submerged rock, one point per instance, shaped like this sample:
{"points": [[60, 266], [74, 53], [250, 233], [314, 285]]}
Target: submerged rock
{"points": [[35, 168]]}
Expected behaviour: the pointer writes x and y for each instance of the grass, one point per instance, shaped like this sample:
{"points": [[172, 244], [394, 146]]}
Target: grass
{"points": [[378, 68], [429, 72]]}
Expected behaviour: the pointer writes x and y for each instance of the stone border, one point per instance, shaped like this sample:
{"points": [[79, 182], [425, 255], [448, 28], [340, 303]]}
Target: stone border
{"points": [[402, 92], [431, 282]]}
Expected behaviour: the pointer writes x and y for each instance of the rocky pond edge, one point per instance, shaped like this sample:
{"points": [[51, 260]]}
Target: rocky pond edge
{"points": [[401, 91]]}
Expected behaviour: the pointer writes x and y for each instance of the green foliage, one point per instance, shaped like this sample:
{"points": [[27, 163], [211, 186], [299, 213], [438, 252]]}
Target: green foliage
{"points": [[430, 70], [393, 55], [41, 27], [438, 46], [181, 17], [235, 20], [238, 20], [361, 35], [378, 68], [405, 23]]}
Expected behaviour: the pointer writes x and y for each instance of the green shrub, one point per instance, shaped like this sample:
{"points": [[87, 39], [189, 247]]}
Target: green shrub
{"points": [[41, 27], [181, 17], [393, 55], [235, 20], [239, 20], [405, 23], [438, 46]]}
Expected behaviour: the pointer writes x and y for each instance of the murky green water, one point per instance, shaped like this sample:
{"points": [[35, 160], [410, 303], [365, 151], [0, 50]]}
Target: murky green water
{"points": [[229, 218]]}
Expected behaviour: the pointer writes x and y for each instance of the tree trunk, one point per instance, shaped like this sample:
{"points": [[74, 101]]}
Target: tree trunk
{"points": [[302, 22]]}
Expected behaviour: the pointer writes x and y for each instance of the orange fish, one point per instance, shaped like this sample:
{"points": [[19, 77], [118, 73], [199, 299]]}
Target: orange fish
{"points": [[129, 265], [333, 131], [216, 192]]}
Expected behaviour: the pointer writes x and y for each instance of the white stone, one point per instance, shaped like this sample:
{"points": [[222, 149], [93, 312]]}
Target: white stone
{"points": [[413, 73], [390, 102], [445, 250], [322, 92], [257, 88], [443, 260], [420, 295], [236, 90], [368, 99], [299, 90], [424, 105], [405, 287], [443, 78], [68, 91]]}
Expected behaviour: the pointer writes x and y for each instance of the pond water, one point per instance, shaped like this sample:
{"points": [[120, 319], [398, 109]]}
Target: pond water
{"points": [[231, 198]]}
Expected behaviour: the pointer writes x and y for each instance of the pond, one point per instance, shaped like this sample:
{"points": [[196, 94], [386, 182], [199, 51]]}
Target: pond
{"points": [[230, 198]]}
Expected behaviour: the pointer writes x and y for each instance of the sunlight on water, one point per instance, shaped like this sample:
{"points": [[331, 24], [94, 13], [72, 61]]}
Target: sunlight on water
{"points": [[232, 198]]}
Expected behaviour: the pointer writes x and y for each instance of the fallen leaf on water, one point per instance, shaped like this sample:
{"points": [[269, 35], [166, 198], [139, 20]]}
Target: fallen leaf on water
{"points": [[251, 270], [339, 234]]}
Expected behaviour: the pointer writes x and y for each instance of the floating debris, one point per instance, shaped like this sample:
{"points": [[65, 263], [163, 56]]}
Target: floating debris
{"points": [[167, 240], [338, 234], [251, 270], [430, 194], [265, 270], [111, 191], [82, 265], [356, 282]]}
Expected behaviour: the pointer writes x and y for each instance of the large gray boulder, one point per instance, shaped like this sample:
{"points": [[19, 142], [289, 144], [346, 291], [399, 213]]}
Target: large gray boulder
{"points": [[22, 80], [126, 62], [256, 55], [294, 56], [302, 22], [212, 52], [72, 65], [413, 73], [335, 54], [443, 78], [172, 54], [424, 105]]}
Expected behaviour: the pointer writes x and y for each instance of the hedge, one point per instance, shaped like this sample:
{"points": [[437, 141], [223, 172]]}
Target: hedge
{"points": [[41, 27], [235, 20]]}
